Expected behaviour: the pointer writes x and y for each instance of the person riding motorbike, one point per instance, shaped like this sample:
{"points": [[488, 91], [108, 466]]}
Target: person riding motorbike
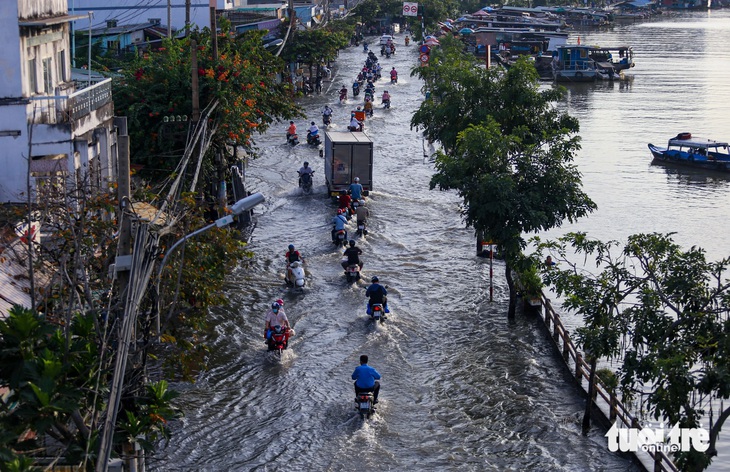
{"points": [[275, 317], [326, 115], [305, 169], [292, 255], [353, 256], [368, 107], [339, 222], [313, 134], [292, 130], [364, 46], [366, 379], [343, 93], [377, 294], [355, 189], [393, 75], [355, 124], [362, 213], [408, 40], [355, 89], [344, 202], [386, 98]]}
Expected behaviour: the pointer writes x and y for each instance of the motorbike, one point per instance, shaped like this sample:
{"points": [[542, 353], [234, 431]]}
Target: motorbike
{"points": [[408, 40], [326, 120], [355, 89], [295, 274], [365, 47], [393, 79], [340, 238], [313, 140], [352, 271], [279, 339], [306, 182], [292, 139], [387, 53], [364, 404], [369, 112], [362, 228], [377, 312], [386, 103]]}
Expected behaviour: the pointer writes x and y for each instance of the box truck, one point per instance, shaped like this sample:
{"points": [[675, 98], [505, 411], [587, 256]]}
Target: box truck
{"points": [[347, 155]]}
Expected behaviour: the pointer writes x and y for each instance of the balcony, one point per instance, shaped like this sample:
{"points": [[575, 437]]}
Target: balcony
{"points": [[63, 108]]}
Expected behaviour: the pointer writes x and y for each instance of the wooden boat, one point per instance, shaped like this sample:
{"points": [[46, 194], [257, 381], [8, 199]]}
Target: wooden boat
{"points": [[687, 150], [572, 63]]}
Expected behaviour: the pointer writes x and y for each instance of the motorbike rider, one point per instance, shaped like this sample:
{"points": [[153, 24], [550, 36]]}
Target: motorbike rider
{"points": [[292, 130], [353, 256], [292, 255], [339, 222], [408, 40], [366, 379], [362, 213], [326, 114], [368, 107], [355, 189], [344, 201], [386, 98], [275, 317], [313, 132], [355, 124], [305, 169], [364, 46], [343, 92], [394, 75], [377, 294]]}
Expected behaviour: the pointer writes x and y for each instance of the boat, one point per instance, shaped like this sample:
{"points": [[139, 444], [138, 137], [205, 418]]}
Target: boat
{"points": [[572, 63], [687, 150]]}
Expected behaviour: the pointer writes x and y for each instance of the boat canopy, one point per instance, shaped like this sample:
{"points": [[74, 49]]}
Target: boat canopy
{"points": [[697, 143]]}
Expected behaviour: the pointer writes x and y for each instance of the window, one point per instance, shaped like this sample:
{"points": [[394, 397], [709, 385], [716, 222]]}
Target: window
{"points": [[61, 66], [47, 76], [32, 79], [112, 46]]}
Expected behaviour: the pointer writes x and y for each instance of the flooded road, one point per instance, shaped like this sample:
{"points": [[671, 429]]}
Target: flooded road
{"points": [[462, 387]]}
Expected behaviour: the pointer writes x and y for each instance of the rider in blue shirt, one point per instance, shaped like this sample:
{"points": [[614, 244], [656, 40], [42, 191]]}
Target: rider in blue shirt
{"points": [[340, 220], [366, 378], [355, 189]]}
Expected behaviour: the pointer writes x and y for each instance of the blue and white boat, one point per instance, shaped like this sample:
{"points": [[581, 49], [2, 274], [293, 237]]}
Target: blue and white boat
{"points": [[687, 150], [573, 63]]}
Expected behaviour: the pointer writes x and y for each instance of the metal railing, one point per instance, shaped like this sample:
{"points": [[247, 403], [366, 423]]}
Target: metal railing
{"points": [[617, 411], [86, 100]]}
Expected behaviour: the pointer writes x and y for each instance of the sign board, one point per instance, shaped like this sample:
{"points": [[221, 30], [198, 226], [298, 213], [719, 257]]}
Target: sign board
{"points": [[424, 58], [424, 49], [410, 9]]}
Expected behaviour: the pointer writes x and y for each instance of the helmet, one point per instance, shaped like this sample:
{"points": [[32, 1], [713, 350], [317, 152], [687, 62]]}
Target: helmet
{"points": [[312, 122], [357, 179], [393, 68], [352, 243], [374, 279], [362, 202], [280, 302], [291, 122], [275, 306], [340, 211], [306, 163], [291, 247]]}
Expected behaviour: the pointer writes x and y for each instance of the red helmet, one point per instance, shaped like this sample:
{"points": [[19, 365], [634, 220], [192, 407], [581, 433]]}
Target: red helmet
{"points": [[280, 302], [340, 211]]}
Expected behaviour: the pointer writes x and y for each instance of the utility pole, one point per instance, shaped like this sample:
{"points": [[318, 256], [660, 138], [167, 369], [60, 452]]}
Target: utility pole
{"points": [[213, 30], [187, 17], [169, 19]]}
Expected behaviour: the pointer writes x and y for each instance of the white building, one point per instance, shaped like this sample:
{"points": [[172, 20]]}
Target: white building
{"points": [[67, 133]]}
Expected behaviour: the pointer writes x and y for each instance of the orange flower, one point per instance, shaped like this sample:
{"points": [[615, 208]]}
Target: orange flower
{"points": [[250, 102]]}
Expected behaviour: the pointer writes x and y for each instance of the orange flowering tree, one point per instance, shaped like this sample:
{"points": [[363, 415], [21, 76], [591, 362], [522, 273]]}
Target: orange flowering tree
{"points": [[243, 78]]}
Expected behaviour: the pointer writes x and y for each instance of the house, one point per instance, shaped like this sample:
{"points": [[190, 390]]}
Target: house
{"points": [[115, 38], [50, 131]]}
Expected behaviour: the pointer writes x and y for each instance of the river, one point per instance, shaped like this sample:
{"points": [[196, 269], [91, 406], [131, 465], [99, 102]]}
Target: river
{"points": [[463, 388]]}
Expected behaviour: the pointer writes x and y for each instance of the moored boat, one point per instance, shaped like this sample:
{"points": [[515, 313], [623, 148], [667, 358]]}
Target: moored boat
{"points": [[687, 150]]}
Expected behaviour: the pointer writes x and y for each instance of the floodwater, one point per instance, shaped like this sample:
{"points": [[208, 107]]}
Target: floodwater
{"points": [[463, 388]]}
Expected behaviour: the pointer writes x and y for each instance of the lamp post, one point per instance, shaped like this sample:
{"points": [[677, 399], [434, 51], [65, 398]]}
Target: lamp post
{"points": [[245, 204]]}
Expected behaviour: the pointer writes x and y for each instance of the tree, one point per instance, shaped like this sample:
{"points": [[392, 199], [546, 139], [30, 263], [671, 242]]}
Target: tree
{"points": [[317, 46], [663, 313], [506, 150], [242, 79]]}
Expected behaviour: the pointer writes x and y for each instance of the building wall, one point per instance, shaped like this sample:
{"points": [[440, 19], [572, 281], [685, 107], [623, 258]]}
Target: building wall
{"points": [[33, 9], [10, 73], [12, 151]]}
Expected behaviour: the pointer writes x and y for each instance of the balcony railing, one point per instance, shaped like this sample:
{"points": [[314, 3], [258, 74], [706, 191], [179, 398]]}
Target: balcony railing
{"points": [[86, 100], [62, 108]]}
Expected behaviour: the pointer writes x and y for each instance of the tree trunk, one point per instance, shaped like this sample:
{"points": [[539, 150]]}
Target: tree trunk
{"points": [[512, 293], [591, 390]]}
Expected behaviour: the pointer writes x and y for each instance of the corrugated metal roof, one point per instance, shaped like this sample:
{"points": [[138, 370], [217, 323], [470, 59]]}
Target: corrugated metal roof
{"points": [[14, 281]]}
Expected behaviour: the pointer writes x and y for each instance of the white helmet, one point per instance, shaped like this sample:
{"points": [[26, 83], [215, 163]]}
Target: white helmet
{"points": [[357, 179]]}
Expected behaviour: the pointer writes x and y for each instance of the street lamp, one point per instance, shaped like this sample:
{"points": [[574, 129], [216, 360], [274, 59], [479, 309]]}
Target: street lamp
{"points": [[244, 204]]}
